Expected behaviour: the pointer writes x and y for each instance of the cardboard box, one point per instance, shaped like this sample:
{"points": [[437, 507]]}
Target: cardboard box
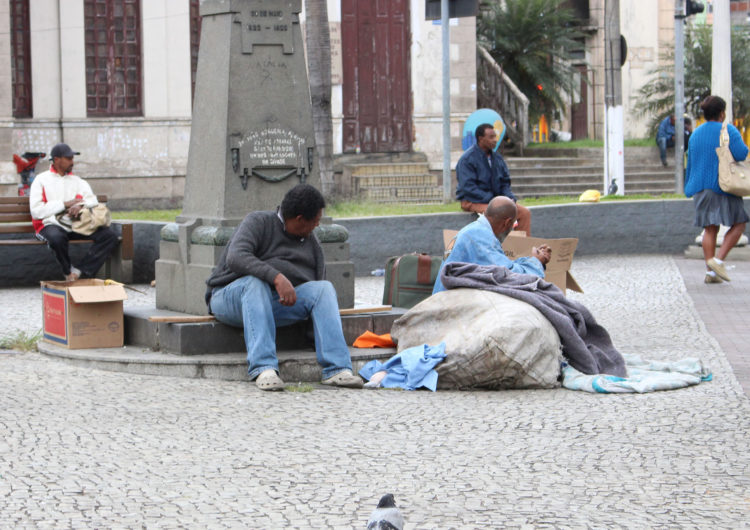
{"points": [[518, 245], [83, 314]]}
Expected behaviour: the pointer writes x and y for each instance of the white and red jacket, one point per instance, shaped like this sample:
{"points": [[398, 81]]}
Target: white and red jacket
{"points": [[50, 191]]}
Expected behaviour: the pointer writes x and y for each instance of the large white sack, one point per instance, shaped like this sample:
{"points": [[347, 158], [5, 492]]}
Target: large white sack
{"points": [[492, 341]]}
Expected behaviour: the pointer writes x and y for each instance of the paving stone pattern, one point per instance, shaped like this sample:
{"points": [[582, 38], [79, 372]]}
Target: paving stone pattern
{"points": [[91, 449]]}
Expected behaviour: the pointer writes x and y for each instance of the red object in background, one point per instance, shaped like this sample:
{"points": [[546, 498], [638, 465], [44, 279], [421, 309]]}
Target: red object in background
{"points": [[26, 165], [23, 164]]}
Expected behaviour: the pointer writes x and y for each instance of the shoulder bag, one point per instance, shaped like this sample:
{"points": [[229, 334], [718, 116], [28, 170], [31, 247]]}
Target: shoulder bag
{"points": [[734, 177], [88, 221]]}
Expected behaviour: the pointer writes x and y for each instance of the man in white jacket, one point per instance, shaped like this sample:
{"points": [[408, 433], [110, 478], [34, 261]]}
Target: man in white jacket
{"points": [[56, 192]]}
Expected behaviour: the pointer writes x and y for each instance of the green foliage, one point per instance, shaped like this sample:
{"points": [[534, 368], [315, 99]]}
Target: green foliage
{"points": [[566, 199], [343, 209], [532, 41], [656, 98], [20, 341], [147, 215], [587, 143], [299, 387]]}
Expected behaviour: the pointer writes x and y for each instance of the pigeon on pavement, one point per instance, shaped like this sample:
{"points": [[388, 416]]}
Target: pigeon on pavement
{"points": [[386, 516]]}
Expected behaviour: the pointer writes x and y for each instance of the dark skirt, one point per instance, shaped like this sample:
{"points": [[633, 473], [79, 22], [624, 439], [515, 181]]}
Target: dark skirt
{"points": [[713, 208]]}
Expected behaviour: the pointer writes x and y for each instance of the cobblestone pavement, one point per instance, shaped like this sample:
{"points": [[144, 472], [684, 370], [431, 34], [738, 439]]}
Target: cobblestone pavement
{"points": [[91, 449], [725, 309]]}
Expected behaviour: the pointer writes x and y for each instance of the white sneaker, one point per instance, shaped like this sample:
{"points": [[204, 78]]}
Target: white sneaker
{"points": [[269, 380], [719, 269], [73, 275]]}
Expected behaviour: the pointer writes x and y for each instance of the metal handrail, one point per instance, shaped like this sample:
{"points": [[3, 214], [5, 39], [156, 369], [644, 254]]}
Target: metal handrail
{"points": [[497, 91]]}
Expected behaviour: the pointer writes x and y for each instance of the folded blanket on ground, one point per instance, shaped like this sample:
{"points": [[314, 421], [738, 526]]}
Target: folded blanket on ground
{"points": [[586, 345], [410, 369], [643, 376]]}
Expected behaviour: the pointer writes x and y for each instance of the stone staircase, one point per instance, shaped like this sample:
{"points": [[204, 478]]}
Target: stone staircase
{"points": [[572, 171], [545, 172], [395, 182]]}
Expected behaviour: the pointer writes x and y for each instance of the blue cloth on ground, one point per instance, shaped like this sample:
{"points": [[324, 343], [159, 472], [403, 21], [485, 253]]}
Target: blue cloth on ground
{"points": [[643, 376], [411, 369]]}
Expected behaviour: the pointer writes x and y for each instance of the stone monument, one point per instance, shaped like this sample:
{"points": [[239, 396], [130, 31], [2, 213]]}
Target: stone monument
{"points": [[251, 141]]}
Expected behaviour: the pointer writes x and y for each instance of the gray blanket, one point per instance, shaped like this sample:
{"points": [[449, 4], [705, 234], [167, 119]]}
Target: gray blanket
{"points": [[586, 344]]}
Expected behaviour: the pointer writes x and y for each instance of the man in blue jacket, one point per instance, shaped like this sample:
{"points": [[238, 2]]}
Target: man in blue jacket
{"points": [[665, 136], [482, 174], [481, 242]]}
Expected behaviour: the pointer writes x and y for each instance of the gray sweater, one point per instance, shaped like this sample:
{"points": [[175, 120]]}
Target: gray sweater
{"points": [[261, 247]]}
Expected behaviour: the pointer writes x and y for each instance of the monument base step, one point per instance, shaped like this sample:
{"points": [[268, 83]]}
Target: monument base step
{"points": [[213, 350], [294, 365], [737, 253], [214, 337]]}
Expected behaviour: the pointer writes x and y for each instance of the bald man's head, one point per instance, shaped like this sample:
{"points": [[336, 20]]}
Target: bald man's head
{"points": [[501, 213], [501, 208]]}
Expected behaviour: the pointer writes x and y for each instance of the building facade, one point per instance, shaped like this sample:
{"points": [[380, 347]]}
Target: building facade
{"points": [[114, 79]]}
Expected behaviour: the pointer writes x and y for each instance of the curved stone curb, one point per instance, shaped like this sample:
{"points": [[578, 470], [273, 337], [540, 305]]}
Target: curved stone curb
{"points": [[294, 366]]}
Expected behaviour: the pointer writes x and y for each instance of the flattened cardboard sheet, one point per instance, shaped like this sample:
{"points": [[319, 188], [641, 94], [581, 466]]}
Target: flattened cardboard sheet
{"points": [[518, 245]]}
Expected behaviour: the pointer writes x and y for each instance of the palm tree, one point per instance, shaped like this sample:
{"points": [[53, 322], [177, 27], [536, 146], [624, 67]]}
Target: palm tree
{"points": [[318, 41], [656, 98], [532, 41]]}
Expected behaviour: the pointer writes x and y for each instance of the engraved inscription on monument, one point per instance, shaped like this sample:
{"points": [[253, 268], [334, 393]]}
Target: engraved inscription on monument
{"points": [[269, 23], [272, 148]]}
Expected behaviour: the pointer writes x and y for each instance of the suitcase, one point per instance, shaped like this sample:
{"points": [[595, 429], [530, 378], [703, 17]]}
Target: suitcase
{"points": [[409, 279]]}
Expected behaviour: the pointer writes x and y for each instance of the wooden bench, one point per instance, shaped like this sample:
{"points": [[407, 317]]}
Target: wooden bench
{"points": [[16, 229]]}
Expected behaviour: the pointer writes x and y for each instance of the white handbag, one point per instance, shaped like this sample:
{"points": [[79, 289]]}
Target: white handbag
{"points": [[734, 177]]}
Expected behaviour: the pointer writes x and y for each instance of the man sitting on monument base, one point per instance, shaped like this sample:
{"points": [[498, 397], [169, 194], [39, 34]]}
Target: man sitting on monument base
{"points": [[270, 275]]}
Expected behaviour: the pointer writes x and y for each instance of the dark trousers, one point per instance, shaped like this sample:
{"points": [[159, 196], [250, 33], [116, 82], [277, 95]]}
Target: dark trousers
{"points": [[104, 241]]}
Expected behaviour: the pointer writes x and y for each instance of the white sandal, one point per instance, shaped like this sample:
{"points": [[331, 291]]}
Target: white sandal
{"points": [[269, 380], [345, 379]]}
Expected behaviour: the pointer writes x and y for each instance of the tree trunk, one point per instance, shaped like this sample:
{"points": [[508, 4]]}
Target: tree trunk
{"points": [[318, 41]]}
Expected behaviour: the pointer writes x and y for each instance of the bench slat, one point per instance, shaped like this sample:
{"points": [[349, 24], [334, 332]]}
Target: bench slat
{"points": [[20, 200], [14, 217], [15, 208], [16, 228], [14, 200], [127, 241], [12, 242]]}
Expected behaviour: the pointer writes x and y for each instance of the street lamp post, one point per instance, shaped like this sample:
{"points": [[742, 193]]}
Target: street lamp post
{"points": [[679, 95]]}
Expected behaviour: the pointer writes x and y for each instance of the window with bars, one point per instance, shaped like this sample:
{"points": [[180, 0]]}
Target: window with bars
{"points": [[195, 40], [113, 57], [20, 58]]}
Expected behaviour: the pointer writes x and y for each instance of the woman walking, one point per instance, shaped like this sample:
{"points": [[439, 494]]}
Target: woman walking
{"points": [[714, 207]]}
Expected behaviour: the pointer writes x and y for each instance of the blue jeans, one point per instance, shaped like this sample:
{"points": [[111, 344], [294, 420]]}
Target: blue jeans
{"points": [[664, 142], [252, 304]]}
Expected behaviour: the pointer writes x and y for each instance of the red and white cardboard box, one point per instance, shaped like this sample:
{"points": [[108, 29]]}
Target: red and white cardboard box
{"points": [[83, 314]]}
